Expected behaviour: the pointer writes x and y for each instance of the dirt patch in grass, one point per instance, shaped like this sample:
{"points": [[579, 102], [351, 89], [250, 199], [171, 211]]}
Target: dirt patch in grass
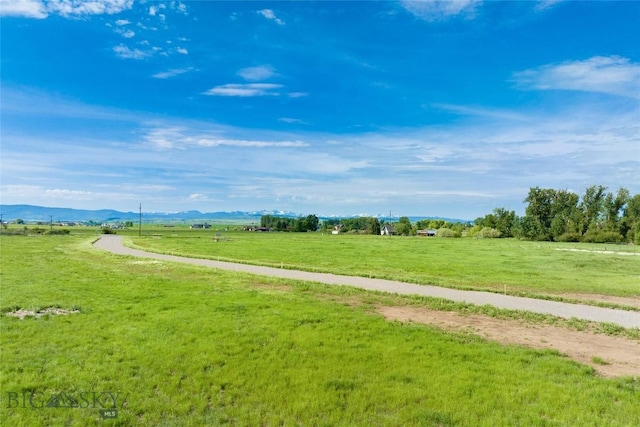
{"points": [[609, 356], [56, 311], [625, 301]]}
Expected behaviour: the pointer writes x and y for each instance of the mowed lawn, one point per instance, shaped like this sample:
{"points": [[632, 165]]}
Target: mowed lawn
{"points": [[524, 267], [186, 345]]}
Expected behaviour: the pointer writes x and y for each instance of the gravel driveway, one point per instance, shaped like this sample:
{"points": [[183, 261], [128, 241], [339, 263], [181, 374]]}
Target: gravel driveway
{"points": [[627, 319]]}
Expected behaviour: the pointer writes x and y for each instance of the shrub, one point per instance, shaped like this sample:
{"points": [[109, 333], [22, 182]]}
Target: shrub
{"points": [[56, 232], [609, 237], [107, 230], [569, 237], [474, 230], [488, 233], [447, 232], [602, 237]]}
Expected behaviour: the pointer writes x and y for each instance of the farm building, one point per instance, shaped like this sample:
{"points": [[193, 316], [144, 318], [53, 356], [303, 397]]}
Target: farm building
{"points": [[205, 225], [387, 230]]}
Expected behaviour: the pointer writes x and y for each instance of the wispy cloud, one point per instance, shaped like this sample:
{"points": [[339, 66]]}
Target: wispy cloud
{"points": [[178, 137], [125, 52], [172, 73], [613, 75], [292, 120], [270, 15], [125, 32], [66, 8], [255, 74], [439, 10], [543, 5], [486, 112], [245, 90]]}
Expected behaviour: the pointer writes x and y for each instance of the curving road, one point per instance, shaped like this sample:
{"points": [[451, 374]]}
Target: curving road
{"points": [[627, 319]]}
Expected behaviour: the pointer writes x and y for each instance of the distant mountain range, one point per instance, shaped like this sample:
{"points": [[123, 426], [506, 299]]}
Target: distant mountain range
{"points": [[30, 213]]}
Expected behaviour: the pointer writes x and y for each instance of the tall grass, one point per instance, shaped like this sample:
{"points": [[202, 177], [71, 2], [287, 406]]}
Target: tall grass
{"points": [[186, 345]]}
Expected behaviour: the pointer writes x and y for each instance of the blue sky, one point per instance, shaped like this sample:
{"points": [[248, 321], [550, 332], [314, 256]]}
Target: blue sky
{"points": [[427, 108]]}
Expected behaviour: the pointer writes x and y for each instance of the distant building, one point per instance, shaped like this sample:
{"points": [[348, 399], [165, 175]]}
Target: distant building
{"points": [[205, 225], [255, 228], [427, 233], [387, 230]]}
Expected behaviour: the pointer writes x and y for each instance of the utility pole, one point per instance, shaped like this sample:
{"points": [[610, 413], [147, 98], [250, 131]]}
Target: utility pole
{"points": [[51, 222], [140, 221]]}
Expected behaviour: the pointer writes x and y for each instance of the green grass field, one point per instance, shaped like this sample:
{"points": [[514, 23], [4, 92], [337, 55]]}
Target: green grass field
{"points": [[527, 268], [185, 345]]}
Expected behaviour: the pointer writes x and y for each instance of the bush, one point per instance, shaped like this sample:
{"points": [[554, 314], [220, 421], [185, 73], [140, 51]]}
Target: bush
{"points": [[107, 230], [569, 237], [474, 230], [447, 232], [602, 237], [488, 233], [56, 232]]}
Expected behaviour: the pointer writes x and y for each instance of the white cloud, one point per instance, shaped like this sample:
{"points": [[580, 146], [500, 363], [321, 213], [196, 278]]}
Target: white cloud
{"points": [[245, 90], [41, 9], [124, 52], [292, 120], [172, 73], [24, 8], [439, 10], [197, 197], [297, 94], [182, 8], [253, 74], [121, 22], [613, 75], [206, 142], [127, 34], [268, 13], [182, 51], [543, 5], [88, 7], [179, 137]]}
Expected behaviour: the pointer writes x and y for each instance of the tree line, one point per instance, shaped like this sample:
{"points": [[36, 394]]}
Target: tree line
{"points": [[596, 216], [276, 223], [560, 215]]}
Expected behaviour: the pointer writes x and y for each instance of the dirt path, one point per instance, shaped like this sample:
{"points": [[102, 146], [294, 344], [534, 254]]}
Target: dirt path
{"points": [[609, 356], [627, 319]]}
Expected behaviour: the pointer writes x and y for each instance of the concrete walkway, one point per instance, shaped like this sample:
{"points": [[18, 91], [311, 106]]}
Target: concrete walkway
{"points": [[627, 319]]}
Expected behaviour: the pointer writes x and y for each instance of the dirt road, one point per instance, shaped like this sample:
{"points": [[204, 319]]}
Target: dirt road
{"points": [[627, 319]]}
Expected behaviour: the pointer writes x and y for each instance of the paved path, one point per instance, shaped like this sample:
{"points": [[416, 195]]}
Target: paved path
{"points": [[627, 319]]}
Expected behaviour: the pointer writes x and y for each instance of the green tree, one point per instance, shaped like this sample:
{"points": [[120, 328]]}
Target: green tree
{"points": [[565, 213], [500, 219], [536, 224], [592, 207], [630, 228], [403, 226], [613, 208]]}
